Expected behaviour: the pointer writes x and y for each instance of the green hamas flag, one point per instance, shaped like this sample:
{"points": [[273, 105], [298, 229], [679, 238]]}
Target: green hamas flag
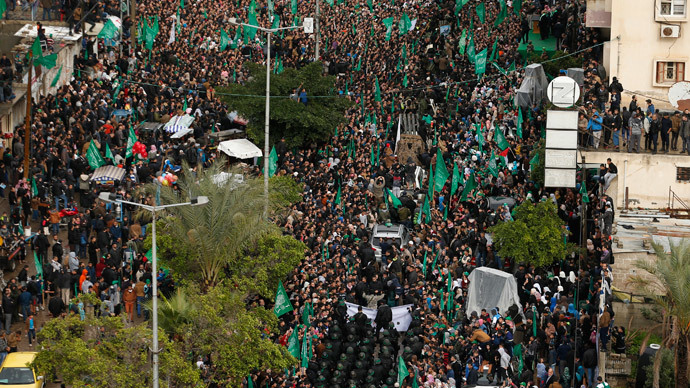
{"points": [[519, 123], [49, 61], [405, 24], [455, 181], [283, 304], [426, 209], [494, 53], [583, 191], [57, 75], [108, 153], [39, 265], [293, 6], [378, 90], [224, 40], [501, 142], [517, 6], [109, 30], [502, 14], [3, 8], [131, 139], [493, 169], [463, 42], [480, 62], [34, 188], [441, 171], [402, 371], [250, 384], [404, 83], [471, 53], [338, 198], [93, 156], [250, 32], [534, 162], [36, 50], [481, 12], [388, 22], [293, 343], [272, 162], [276, 21], [394, 200], [470, 185]]}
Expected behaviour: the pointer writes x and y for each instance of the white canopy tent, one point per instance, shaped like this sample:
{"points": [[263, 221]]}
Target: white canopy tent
{"points": [[490, 288], [240, 149]]}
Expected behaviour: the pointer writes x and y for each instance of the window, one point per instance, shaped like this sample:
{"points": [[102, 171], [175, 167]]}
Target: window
{"points": [[672, 7], [683, 174], [668, 73]]}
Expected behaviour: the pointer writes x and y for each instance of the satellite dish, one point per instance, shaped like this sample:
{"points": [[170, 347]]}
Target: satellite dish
{"points": [[679, 95]]}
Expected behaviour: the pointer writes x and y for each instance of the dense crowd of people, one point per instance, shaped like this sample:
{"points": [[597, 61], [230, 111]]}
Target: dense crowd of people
{"points": [[552, 341]]}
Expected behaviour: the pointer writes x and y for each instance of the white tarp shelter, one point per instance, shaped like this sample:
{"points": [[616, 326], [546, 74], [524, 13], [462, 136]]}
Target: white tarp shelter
{"points": [[240, 149], [178, 123], [490, 288], [401, 315]]}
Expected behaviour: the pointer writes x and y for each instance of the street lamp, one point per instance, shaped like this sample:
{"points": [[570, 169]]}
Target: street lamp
{"points": [[194, 201], [269, 32]]}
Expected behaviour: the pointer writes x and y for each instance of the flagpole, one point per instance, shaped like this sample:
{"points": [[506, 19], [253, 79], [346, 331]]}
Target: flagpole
{"points": [[266, 124], [27, 119]]}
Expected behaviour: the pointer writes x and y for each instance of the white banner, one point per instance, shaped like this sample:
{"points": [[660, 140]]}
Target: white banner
{"points": [[401, 315]]}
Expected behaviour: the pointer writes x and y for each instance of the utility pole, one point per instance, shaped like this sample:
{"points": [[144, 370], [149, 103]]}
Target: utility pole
{"points": [[268, 119], [316, 56], [27, 119]]}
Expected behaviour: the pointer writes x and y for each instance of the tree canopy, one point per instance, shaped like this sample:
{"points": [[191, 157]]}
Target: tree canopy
{"points": [[300, 124], [535, 237], [102, 352]]}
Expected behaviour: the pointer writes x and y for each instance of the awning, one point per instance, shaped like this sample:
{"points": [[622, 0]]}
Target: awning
{"points": [[240, 149], [181, 132], [108, 174], [149, 126]]}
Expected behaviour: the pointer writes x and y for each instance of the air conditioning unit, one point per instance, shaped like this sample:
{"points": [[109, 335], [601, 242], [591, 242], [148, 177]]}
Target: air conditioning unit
{"points": [[670, 31]]}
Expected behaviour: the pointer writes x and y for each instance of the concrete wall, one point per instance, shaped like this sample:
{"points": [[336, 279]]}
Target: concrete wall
{"points": [[648, 177], [632, 59], [624, 311]]}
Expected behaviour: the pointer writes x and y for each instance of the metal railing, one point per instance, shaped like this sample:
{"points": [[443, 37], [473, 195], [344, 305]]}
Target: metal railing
{"points": [[680, 212]]}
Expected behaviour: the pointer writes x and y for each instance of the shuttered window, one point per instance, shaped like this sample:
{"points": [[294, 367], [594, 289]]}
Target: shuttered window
{"points": [[669, 72]]}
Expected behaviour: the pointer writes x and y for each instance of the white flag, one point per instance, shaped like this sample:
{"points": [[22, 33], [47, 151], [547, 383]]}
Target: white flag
{"points": [[172, 30]]}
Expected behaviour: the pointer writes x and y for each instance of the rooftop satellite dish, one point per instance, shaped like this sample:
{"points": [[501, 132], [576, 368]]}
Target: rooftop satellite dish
{"points": [[679, 95]]}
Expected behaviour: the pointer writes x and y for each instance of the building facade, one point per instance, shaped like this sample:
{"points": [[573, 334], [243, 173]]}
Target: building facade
{"points": [[649, 44]]}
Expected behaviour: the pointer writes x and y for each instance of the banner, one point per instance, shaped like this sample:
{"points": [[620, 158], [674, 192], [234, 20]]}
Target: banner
{"points": [[401, 316]]}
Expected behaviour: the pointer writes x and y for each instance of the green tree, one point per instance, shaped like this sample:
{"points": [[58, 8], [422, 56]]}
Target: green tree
{"points": [[666, 374], [219, 324], [537, 171], [535, 237], [203, 244], [101, 352], [299, 124], [667, 284]]}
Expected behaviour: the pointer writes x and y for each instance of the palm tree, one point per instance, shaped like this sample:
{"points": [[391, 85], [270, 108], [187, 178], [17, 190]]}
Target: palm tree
{"points": [[215, 234], [669, 287], [173, 312]]}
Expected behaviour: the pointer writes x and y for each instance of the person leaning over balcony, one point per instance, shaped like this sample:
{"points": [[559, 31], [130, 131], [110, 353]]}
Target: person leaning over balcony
{"points": [[636, 130]]}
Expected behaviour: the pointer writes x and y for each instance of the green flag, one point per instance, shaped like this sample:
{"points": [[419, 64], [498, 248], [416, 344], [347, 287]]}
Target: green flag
{"points": [[583, 191], [224, 40], [378, 90], [109, 30], [492, 165], [250, 383], [517, 6], [36, 50], [470, 185], [501, 142], [480, 62], [441, 171], [471, 52], [414, 382], [402, 371], [276, 21], [293, 343], [463, 42], [455, 181], [388, 22], [394, 200], [494, 53], [282, 305], [480, 136], [293, 6], [519, 122], [305, 350], [481, 12], [431, 181], [424, 264], [337, 197], [131, 139], [108, 153], [405, 24], [426, 209], [405, 81], [502, 13], [34, 189], [433, 264], [37, 262], [272, 162], [57, 75], [93, 156], [3, 8], [49, 61], [370, 3], [450, 292]]}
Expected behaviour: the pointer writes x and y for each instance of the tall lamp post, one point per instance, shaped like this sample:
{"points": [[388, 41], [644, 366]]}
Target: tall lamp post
{"points": [[195, 201], [269, 32]]}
